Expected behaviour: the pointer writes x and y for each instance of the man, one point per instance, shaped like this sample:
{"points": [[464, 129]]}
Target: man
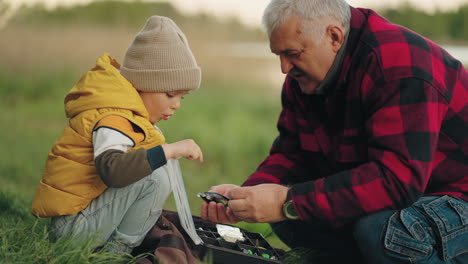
{"points": [[373, 141]]}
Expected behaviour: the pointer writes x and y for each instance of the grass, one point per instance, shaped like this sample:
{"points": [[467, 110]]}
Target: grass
{"points": [[233, 122], [25, 239]]}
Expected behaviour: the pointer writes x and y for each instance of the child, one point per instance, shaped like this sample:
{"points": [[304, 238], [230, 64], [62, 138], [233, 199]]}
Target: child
{"points": [[105, 173]]}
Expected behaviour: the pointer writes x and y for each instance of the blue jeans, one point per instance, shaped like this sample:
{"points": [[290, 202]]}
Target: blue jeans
{"points": [[326, 245], [433, 230]]}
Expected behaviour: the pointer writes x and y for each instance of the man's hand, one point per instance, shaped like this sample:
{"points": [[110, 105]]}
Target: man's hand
{"points": [[258, 204], [186, 148], [216, 212]]}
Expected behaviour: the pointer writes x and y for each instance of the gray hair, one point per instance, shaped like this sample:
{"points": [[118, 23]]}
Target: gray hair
{"points": [[279, 11]]}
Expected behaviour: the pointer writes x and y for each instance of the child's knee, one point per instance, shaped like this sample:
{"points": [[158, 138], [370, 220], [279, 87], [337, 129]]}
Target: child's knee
{"points": [[160, 179]]}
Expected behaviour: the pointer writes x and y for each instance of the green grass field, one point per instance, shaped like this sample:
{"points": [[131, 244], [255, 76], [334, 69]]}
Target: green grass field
{"points": [[233, 121]]}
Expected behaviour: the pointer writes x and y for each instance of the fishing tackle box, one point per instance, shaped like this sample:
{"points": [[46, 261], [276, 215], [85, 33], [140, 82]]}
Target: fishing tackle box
{"points": [[253, 250]]}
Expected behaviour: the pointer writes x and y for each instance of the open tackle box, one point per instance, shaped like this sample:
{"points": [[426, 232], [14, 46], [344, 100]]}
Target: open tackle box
{"points": [[254, 249]]}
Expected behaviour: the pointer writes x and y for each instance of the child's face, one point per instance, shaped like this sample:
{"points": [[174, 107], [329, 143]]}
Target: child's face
{"points": [[161, 106]]}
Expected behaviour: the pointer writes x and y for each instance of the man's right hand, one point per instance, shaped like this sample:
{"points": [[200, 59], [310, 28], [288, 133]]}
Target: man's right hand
{"points": [[216, 212]]}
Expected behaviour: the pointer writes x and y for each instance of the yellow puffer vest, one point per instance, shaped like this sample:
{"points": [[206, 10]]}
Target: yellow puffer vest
{"points": [[70, 180]]}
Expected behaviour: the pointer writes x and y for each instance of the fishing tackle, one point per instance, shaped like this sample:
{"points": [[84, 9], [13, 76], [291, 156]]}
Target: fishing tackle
{"points": [[215, 197]]}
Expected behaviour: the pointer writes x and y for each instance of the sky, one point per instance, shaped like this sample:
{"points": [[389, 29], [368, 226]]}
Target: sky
{"points": [[250, 11]]}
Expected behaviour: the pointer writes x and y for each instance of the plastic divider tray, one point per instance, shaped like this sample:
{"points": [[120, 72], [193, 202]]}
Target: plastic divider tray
{"points": [[254, 249]]}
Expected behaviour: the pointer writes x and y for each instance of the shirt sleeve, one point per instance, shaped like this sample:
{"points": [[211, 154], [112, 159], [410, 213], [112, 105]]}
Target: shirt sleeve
{"points": [[403, 127], [286, 160], [403, 121], [106, 138], [112, 138]]}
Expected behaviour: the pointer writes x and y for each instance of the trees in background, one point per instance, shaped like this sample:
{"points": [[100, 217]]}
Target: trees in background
{"points": [[441, 26], [448, 26], [133, 14], [6, 12]]}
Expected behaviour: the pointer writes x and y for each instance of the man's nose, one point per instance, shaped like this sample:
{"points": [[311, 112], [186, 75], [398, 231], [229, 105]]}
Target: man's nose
{"points": [[286, 65]]}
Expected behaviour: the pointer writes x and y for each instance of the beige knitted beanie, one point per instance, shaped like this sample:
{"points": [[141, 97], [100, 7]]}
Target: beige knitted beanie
{"points": [[159, 59]]}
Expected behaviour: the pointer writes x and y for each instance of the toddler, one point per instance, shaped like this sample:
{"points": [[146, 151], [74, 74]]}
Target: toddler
{"points": [[105, 175]]}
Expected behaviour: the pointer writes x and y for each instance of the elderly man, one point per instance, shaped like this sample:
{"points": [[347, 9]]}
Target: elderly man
{"points": [[373, 141]]}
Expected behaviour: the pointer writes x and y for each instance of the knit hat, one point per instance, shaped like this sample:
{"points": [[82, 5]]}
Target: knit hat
{"points": [[159, 59]]}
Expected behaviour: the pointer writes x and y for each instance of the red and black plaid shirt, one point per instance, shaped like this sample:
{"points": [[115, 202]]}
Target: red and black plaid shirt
{"points": [[393, 128]]}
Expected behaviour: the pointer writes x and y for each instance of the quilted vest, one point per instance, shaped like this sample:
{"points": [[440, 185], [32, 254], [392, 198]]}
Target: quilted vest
{"points": [[70, 180]]}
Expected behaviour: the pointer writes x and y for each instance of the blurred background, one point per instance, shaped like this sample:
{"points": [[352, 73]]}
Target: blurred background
{"points": [[46, 45]]}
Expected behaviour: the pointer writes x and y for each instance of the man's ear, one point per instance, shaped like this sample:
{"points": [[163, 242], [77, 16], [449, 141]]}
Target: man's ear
{"points": [[336, 36]]}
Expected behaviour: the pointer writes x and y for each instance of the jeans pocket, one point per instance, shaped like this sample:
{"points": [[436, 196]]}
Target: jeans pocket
{"points": [[407, 237], [450, 216], [461, 208]]}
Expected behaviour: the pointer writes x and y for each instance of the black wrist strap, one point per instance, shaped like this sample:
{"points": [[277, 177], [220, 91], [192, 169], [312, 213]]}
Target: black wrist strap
{"points": [[289, 195]]}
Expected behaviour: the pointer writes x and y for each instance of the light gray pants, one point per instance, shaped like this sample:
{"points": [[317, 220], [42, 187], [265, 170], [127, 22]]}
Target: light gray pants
{"points": [[121, 216]]}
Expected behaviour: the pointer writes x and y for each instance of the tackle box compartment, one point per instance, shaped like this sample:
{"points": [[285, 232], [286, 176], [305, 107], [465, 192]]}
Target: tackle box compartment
{"points": [[253, 250]]}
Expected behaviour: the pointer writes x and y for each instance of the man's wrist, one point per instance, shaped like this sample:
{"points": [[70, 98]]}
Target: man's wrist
{"points": [[288, 208]]}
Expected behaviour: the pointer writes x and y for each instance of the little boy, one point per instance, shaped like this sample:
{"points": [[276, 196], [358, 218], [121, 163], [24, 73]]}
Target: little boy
{"points": [[105, 175]]}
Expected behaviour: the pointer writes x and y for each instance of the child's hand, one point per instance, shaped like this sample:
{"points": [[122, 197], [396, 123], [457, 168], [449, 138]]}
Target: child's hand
{"points": [[186, 148]]}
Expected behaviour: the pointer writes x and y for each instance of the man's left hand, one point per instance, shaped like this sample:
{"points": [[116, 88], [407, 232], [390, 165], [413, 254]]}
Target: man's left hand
{"points": [[258, 204]]}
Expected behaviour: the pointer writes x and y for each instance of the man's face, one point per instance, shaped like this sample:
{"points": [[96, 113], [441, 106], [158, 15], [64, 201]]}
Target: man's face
{"points": [[301, 58]]}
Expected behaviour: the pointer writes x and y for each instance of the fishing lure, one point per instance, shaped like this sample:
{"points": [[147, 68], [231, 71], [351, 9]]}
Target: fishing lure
{"points": [[215, 197]]}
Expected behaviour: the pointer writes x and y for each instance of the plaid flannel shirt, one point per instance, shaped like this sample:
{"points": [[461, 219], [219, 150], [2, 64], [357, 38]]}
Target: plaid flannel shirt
{"points": [[392, 128]]}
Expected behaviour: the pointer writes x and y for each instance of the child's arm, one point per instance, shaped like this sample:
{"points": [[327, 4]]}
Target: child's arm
{"points": [[114, 136], [116, 166]]}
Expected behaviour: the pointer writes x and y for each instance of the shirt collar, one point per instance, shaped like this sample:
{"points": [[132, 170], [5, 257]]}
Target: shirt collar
{"points": [[334, 71]]}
